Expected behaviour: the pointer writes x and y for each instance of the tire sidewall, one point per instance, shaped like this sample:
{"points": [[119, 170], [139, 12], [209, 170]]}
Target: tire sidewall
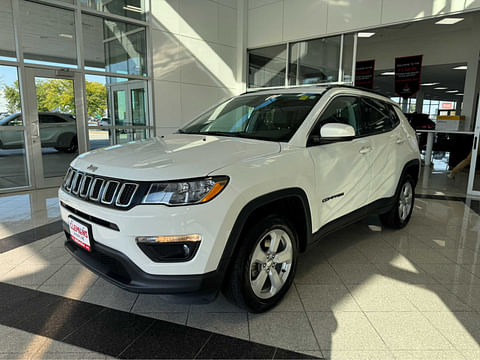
{"points": [[254, 303], [399, 222]]}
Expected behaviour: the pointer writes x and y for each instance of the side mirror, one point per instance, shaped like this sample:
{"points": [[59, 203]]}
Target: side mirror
{"points": [[336, 132]]}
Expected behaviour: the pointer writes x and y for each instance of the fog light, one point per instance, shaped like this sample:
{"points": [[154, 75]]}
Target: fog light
{"points": [[169, 248]]}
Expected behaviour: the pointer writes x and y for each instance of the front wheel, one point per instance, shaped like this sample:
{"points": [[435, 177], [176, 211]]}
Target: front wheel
{"points": [[401, 212], [263, 270]]}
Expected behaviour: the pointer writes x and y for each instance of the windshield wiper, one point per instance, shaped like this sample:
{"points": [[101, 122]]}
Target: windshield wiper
{"points": [[223, 133]]}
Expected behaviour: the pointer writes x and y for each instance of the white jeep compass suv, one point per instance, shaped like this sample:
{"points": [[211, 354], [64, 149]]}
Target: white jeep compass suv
{"points": [[230, 200]]}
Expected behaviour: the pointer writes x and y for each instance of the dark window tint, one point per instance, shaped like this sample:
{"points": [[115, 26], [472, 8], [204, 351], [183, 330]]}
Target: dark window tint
{"points": [[394, 120], [375, 117], [343, 109], [50, 119]]}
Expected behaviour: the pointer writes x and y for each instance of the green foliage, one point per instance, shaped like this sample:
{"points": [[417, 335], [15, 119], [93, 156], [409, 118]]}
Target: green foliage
{"points": [[58, 95], [12, 95]]}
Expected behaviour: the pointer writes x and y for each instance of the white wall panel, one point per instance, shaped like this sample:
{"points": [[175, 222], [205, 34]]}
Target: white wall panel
{"points": [[166, 56], [304, 18], [265, 24], [199, 19], [199, 63], [195, 55], [227, 25], [394, 11], [472, 4], [257, 3], [196, 99], [165, 15], [348, 15], [167, 103]]}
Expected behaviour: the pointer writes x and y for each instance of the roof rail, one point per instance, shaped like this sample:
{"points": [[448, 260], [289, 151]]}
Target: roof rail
{"points": [[333, 86], [327, 86]]}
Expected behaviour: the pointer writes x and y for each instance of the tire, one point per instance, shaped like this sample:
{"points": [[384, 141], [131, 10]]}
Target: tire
{"points": [[246, 272], [71, 149], [401, 212]]}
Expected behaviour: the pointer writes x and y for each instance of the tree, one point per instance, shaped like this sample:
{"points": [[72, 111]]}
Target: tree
{"points": [[58, 95], [12, 95], [96, 98]]}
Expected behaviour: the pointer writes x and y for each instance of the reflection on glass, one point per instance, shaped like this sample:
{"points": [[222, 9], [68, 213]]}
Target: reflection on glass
{"points": [[119, 107], [314, 61], [48, 35], [266, 66], [347, 57], [138, 106], [99, 138], [7, 40], [13, 163], [134, 9], [126, 135], [57, 124], [114, 46], [114, 102]]}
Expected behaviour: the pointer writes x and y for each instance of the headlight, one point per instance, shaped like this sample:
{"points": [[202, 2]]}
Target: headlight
{"points": [[185, 192]]}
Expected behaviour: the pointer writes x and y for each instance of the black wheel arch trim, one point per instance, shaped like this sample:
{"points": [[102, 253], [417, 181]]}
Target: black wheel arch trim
{"points": [[257, 203]]}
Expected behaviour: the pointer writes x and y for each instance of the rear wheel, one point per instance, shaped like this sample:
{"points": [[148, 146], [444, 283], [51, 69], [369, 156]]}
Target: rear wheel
{"points": [[264, 266], [401, 212]]}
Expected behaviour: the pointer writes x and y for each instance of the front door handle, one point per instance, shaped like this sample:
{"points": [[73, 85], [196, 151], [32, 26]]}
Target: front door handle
{"points": [[365, 149], [400, 140]]}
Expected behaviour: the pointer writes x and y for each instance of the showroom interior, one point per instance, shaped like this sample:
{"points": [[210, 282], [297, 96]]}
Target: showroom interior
{"points": [[102, 73]]}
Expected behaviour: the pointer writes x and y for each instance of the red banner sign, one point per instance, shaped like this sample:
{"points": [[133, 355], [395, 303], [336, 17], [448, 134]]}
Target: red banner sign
{"points": [[408, 71], [364, 74]]}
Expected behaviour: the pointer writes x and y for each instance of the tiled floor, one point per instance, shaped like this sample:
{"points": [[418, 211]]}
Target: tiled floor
{"points": [[362, 293]]}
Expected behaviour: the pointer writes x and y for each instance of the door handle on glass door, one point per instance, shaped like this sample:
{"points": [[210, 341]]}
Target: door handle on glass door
{"points": [[365, 149]]}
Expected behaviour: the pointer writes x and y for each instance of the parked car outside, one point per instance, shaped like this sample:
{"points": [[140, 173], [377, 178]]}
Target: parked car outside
{"points": [[57, 130]]}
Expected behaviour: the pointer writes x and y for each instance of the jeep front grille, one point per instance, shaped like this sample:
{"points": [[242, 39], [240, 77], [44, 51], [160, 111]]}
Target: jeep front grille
{"points": [[99, 189]]}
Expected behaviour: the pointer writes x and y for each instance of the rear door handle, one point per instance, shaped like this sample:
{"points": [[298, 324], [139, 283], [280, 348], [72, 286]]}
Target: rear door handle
{"points": [[365, 149], [400, 140]]}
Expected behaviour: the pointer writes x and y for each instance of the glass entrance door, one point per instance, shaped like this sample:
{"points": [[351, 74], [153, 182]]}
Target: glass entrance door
{"points": [[129, 111], [54, 118]]}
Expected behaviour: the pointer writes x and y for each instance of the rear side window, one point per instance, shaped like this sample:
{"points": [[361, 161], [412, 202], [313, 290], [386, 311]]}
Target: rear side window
{"points": [[377, 117], [394, 119], [50, 119]]}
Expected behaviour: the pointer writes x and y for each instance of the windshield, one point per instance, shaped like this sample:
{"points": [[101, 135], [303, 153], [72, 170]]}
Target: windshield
{"points": [[265, 117]]}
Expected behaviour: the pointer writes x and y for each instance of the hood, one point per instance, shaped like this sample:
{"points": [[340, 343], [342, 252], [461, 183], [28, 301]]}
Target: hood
{"points": [[176, 156]]}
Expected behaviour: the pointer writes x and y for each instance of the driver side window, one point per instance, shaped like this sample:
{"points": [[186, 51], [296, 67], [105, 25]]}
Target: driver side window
{"points": [[344, 110]]}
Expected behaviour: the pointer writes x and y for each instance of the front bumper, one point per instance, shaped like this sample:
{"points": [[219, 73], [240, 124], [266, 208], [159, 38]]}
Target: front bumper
{"points": [[116, 268]]}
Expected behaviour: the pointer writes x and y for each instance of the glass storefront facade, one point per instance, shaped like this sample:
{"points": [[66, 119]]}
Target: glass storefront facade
{"points": [[73, 77], [316, 61]]}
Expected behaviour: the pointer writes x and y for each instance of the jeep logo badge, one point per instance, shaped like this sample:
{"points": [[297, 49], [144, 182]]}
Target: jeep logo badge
{"points": [[92, 167]]}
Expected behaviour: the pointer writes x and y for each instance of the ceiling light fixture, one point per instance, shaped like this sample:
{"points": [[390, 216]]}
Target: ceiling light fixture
{"points": [[449, 21], [461, 67], [459, 94], [430, 84], [133, 8], [440, 88], [365, 34], [388, 73], [452, 91]]}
